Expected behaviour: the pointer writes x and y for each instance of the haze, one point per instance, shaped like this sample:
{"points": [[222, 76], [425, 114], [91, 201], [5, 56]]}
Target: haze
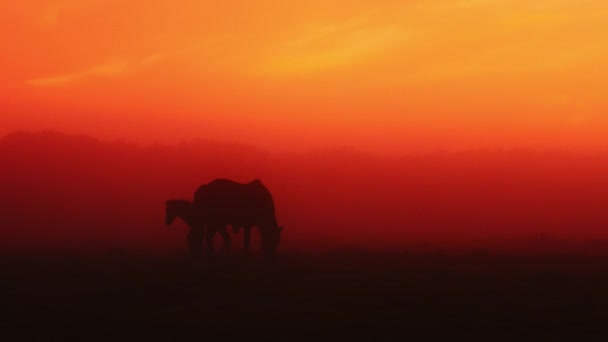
{"points": [[383, 76]]}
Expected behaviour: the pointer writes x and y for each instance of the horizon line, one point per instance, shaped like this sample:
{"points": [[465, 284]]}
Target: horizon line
{"points": [[326, 149]]}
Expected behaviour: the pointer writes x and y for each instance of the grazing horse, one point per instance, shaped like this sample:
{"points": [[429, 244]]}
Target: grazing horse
{"points": [[184, 210], [225, 202]]}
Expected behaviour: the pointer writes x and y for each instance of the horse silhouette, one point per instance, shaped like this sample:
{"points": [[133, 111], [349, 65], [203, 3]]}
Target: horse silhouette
{"points": [[225, 202], [184, 209]]}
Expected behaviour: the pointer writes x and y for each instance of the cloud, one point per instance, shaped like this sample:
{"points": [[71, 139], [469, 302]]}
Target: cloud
{"points": [[153, 59], [104, 70], [111, 69], [326, 46], [52, 14]]}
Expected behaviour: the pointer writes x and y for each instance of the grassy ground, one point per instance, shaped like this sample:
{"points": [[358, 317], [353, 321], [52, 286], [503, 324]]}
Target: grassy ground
{"points": [[305, 297]]}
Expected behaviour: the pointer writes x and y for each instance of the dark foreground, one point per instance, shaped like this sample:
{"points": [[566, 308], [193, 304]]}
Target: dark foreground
{"points": [[305, 297]]}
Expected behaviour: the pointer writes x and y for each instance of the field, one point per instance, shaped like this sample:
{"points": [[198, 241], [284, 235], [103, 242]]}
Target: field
{"points": [[120, 295]]}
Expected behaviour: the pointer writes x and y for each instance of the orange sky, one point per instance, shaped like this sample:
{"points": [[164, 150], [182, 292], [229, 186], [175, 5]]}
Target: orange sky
{"points": [[381, 75]]}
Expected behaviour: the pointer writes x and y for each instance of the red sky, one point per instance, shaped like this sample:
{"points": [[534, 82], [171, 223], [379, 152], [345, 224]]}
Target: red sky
{"points": [[383, 75]]}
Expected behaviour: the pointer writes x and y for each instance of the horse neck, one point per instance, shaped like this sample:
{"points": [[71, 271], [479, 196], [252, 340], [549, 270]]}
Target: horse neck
{"points": [[271, 225], [187, 215]]}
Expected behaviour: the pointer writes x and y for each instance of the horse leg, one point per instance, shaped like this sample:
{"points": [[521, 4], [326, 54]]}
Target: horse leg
{"points": [[247, 239], [236, 228], [195, 242], [209, 240], [227, 240], [191, 243]]}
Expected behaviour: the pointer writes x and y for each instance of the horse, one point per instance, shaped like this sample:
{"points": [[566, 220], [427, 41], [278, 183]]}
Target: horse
{"points": [[184, 209], [225, 202]]}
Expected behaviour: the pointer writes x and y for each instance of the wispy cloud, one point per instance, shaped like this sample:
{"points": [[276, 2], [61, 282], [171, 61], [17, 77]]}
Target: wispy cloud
{"points": [[104, 70], [333, 45], [153, 59], [51, 14], [108, 69]]}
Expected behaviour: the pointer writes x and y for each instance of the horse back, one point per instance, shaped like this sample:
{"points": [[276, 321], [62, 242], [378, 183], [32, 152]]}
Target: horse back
{"points": [[226, 201]]}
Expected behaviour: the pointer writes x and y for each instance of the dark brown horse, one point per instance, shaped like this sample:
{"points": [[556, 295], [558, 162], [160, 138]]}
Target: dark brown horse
{"points": [[224, 202]]}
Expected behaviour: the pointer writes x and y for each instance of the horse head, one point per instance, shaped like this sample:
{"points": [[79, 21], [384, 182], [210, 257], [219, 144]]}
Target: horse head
{"points": [[176, 208], [271, 239]]}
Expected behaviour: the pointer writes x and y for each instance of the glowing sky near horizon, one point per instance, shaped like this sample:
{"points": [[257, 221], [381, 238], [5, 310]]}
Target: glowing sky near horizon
{"points": [[381, 75]]}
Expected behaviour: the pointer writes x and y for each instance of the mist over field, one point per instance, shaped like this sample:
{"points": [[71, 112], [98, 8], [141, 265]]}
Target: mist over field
{"points": [[77, 192]]}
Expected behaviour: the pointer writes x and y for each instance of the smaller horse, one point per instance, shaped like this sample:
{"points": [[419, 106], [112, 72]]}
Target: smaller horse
{"points": [[184, 210]]}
